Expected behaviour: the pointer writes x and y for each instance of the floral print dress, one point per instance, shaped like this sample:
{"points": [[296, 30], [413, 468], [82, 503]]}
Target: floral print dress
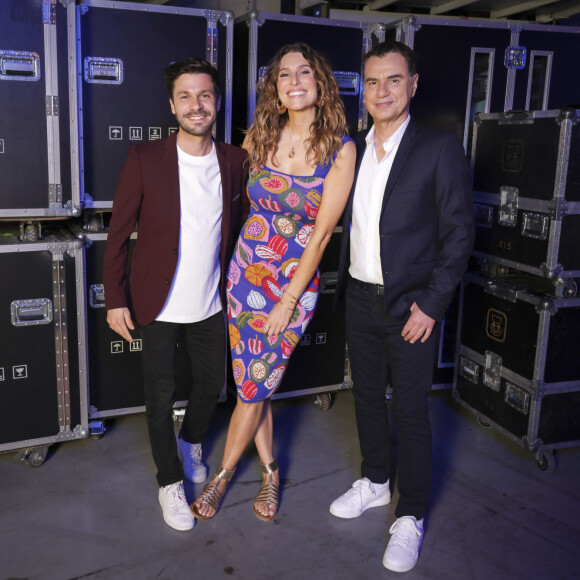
{"points": [[281, 221]]}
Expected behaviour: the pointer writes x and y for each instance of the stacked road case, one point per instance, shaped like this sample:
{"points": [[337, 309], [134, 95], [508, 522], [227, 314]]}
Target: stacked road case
{"points": [[122, 49], [38, 139], [491, 65], [526, 181], [43, 375], [79, 82], [517, 364], [518, 367]]}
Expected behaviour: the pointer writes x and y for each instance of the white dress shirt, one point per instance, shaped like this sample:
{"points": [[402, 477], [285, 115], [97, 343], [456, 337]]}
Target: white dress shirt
{"points": [[365, 250]]}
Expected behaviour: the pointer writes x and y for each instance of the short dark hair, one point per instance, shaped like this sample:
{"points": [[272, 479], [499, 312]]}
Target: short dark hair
{"points": [[194, 66], [390, 46]]}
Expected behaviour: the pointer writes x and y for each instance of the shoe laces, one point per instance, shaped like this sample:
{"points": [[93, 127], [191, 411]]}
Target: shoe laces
{"points": [[358, 488], [193, 452], [176, 494], [403, 530]]}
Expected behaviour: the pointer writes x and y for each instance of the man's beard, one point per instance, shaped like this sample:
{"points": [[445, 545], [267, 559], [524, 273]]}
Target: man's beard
{"points": [[197, 130]]}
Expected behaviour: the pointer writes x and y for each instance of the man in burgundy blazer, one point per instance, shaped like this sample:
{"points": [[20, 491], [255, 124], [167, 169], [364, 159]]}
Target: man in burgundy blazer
{"points": [[148, 194], [408, 233], [187, 196]]}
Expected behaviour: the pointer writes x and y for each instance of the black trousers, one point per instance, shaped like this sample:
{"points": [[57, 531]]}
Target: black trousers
{"points": [[379, 356], [205, 343]]}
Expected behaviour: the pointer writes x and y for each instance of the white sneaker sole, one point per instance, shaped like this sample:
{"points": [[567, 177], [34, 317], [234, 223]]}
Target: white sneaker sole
{"points": [[198, 478], [398, 567], [181, 527], [348, 515]]}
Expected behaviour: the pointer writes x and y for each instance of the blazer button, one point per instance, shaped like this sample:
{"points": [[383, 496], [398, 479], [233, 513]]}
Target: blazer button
{"points": [[175, 250], [167, 282]]}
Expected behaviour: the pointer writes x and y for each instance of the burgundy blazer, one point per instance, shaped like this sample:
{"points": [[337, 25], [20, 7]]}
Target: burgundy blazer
{"points": [[147, 196]]}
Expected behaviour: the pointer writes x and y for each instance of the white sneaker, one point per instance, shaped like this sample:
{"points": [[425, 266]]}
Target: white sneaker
{"points": [[174, 506], [402, 551], [190, 455], [363, 494]]}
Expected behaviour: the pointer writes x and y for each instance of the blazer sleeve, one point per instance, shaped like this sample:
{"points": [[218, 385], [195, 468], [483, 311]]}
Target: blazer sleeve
{"points": [[126, 206], [456, 228]]}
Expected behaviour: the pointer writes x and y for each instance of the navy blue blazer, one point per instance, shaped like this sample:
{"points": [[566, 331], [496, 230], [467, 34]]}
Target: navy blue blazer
{"points": [[426, 224]]}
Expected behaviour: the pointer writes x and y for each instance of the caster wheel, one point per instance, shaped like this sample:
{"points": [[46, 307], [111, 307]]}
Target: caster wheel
{"points": [[22, 456], [546, 461], [97, 429], [483, 424], [323, 402], [37, 456]]}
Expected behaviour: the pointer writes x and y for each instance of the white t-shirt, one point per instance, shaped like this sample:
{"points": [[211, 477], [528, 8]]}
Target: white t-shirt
{"points": [[194, 293]]}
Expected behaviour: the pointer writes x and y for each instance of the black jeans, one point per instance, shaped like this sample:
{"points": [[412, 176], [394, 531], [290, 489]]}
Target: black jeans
{"points": [[379, 356], [205, 343]]}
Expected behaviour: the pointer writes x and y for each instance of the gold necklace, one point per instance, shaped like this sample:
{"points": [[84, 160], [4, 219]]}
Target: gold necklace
{"points": [[292, 152]]}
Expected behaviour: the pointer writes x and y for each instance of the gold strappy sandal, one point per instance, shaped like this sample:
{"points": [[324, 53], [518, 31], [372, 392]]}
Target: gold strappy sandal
{"points": [[268, 492], [211, 495]]}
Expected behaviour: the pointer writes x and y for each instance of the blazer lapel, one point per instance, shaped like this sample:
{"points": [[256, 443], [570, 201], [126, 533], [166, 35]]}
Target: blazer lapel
{"points": [[171, 170], [399, 161], [226, 175], [361, 144]]}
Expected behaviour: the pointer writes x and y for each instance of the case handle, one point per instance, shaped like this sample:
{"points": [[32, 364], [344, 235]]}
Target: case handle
{"points": [[31, 312], [19, 65], [97, 296], [107, 71]]}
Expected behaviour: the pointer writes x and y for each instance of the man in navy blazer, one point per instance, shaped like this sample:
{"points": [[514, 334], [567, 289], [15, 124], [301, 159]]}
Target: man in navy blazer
{"points": [[407, 234], [187, 195]]}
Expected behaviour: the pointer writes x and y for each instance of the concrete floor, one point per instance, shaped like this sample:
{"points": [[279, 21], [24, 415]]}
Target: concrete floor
{"points": [[91, 510]]}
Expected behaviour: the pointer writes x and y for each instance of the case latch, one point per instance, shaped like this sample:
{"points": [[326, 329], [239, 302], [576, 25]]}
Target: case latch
{"points": [[535, 225], [492, 371], [469, 370], [517, 398], [508, 206]]}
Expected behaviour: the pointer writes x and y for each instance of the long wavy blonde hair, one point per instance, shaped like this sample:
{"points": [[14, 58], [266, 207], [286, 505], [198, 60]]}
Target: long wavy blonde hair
{"points": [[328, 127]]}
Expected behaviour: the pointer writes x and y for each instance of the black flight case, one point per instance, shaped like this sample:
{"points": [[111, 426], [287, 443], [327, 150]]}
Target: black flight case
{"points": [[43, 382], [38, 129], [526, 181], [517, 363], [122, 49]]}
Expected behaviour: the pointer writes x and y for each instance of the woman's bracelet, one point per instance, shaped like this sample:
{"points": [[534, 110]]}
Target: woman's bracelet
{"points": [[293, 297]]}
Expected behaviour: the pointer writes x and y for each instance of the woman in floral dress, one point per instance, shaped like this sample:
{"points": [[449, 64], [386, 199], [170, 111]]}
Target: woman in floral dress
{"points": [[301, 171]]}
